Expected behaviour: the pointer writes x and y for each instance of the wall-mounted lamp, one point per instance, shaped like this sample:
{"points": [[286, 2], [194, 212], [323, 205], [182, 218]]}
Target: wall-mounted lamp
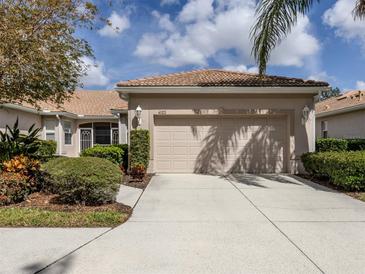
{"points": [[305, 114], [138, 113]]}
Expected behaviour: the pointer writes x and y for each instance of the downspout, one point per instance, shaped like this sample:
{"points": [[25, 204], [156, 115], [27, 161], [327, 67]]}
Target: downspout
{"points": [[59, 141]]}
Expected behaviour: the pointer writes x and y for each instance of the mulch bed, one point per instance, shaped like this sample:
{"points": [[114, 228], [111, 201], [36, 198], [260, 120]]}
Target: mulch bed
{"points": [[327, 183], [142, 184], [42, 200]]}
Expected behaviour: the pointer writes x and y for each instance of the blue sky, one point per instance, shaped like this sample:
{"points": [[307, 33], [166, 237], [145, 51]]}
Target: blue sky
{"points": [[150, 37]]}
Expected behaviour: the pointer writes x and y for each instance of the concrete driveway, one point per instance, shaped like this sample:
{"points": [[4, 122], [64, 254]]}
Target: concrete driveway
{"points": [[241, 224]]}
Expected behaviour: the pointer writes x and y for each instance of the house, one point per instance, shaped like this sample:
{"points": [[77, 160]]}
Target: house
{"points": [[216, 121], [342, 116], [87, 119]]}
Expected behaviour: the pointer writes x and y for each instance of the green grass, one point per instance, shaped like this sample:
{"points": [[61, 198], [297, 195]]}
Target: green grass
{"points": [[33, 217], [361, 196]]}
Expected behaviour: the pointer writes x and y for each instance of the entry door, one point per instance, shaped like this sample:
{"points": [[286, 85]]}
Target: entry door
{"points": [[85, 138], [219, 145]]}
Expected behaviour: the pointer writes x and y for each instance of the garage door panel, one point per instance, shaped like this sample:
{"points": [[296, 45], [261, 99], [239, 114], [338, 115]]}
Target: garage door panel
{"points": [[220, 144]]}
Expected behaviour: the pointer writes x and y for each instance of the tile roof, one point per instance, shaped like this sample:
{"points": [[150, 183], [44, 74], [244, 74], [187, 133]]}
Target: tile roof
{"points": [[218, 78], [346, 100], [87, 102]]}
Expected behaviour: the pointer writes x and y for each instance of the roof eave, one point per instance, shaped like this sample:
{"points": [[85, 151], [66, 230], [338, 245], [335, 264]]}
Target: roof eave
{"points": [[217, 90], [340, 111]]}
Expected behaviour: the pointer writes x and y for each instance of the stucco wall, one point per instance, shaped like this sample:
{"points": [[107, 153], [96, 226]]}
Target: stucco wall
{"points": [[346, 125], [301, 136], [26, 119]]}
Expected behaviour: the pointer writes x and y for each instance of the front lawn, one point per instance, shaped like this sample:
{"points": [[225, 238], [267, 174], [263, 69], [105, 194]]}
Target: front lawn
{"points": [[36, 217], [45, 210]]}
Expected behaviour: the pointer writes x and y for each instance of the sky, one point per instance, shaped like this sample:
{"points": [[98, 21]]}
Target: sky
{"points": [[153, 37]]}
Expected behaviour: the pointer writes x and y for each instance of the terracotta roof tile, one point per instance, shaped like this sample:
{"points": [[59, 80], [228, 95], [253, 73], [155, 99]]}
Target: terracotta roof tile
{"points": [[217, 77], [349, 99], [87, 102]]}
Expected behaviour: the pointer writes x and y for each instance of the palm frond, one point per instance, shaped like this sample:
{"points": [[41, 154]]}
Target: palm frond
{"points": [[274, 20], [359, 10]]}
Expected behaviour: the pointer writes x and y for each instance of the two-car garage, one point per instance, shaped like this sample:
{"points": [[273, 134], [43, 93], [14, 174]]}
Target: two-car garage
{"points": [[220, 144]]}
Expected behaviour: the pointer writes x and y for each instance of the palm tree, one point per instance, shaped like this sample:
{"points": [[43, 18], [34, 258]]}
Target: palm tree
{"points": [[275, 18]]}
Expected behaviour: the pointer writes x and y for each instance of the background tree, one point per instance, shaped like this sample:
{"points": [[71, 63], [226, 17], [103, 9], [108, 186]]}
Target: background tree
{"points": [[40, 56], [275, 18], [330, 93]]}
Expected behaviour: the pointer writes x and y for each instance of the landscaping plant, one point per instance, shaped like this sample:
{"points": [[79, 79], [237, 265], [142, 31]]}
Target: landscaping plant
{"points": [[331, 144], [112, 153], [344, 169], [84, 180], [14, 187], [138, 171], [14, 143], [139, 147]]}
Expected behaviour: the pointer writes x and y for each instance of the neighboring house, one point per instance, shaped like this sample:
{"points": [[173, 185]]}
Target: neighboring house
{"points": [[215, 121], [87, 119], [342, 116]]}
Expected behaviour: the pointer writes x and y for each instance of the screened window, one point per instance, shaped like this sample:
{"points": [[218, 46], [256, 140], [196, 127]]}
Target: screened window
{"points": [[67, 129], [50, 126], [102, 134]]}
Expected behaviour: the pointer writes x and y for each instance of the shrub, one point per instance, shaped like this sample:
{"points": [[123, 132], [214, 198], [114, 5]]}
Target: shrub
{"points": [[344, 169], [138, 171], [139, 147], [331, 144], [86, 180], [14, 187], [112, 153], [124, 147], [13, 143], [46, 150], [356, 144]]}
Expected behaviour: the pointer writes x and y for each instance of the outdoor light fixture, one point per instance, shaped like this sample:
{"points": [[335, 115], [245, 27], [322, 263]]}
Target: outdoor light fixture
{"points": [[305, 114], [139, 115]]}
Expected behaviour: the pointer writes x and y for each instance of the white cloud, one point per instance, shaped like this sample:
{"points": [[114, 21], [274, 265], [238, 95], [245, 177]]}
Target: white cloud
{"points": [[222, 26], [320, 76], [164, 21], [196, 10], [95, 74], [340, 18], [118, 25], [169, 2], [242, 68], [360, 85]]}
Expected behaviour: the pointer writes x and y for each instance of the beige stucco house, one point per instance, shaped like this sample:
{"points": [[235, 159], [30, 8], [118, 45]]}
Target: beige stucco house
{"points": [[87, 119], [342, 116], [215, 121]]}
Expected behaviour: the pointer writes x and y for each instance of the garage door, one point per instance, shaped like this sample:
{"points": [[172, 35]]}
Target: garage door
{"points": [[220, 144]]}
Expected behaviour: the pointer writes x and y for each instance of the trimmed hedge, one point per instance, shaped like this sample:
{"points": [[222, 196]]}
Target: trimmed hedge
{"points": [[344, 169], [86, 180], [356, 144], [331, 144], [112, 153], [140, 147]]}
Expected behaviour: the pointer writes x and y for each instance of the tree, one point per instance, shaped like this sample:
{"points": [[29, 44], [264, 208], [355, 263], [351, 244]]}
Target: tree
{"points": [[40, 55], [330, 93], [275, 18]]}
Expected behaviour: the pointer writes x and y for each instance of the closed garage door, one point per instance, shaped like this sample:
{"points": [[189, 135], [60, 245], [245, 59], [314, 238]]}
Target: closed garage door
{"points": [[220, 144]]}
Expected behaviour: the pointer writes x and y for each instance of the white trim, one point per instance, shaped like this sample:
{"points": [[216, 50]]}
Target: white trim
{"points": [[224, 90], [340, 111]]}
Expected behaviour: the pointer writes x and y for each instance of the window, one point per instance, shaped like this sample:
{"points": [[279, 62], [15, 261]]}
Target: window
{"points": [[98, 134], [50, 132], [324, 129], [67, 129]]}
